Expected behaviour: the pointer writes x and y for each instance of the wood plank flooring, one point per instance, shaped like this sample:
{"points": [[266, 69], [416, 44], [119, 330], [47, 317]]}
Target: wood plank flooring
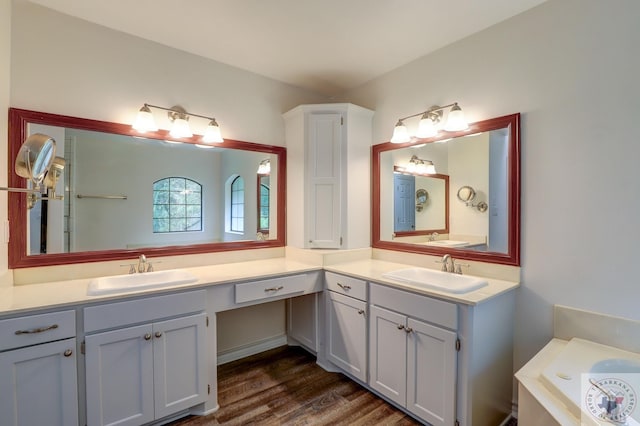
{"points": [[284, 386]]}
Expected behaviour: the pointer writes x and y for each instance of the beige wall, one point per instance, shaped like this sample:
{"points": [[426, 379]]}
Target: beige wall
{"points": [[571, 68]]}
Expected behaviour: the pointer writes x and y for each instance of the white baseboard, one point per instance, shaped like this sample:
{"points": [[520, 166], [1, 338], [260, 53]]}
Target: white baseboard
{"points": [[251, 349]]}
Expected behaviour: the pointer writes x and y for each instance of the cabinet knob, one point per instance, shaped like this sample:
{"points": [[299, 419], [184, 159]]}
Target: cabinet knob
{"points": [[360, 311], [147, 336], [158, 333], [400, 326], [68, 353], [408, 330]]}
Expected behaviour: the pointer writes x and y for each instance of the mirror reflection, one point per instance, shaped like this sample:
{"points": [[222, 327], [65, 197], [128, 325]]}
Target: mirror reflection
{"points": [[125, 193], [478, 169]]}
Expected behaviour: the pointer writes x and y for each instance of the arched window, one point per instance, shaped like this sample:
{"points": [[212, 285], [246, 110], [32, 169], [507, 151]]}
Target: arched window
{"points": [[177, 205], [237, 205]]}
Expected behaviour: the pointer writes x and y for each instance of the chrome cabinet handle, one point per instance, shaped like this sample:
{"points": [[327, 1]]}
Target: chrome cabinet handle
{"points": [[147, 336], [274, 288], [344, 286], [37, 330], [68, 353], [158, 333]]}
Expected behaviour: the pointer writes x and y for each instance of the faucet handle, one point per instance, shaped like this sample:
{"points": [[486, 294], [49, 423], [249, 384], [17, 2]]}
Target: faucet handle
{"points": [[459, 267]]}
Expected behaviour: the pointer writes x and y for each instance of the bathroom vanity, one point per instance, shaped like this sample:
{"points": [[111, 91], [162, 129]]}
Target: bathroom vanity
{"points": [[140, 357]]}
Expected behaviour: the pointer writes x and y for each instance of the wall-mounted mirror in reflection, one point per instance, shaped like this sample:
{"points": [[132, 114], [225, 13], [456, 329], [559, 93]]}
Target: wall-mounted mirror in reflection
{"points": [[125, 194], [485, 157]]}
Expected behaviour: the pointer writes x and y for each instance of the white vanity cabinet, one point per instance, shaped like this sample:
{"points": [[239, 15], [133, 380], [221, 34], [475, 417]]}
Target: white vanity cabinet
{"points": [[324, 196], [38, 376], [346, 324], [150, 360], [413, 352]]}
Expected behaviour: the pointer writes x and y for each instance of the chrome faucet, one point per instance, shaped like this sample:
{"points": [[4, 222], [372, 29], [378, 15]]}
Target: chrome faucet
{"points": [[448, 263], [142, 263]]}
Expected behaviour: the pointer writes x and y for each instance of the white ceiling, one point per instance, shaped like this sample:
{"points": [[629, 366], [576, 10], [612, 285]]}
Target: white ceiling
{"points": [[327, 46]]}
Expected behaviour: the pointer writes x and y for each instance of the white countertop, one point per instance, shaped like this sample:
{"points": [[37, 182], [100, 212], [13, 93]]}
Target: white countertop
{"points": [[22, 298], [56, 294], [371, 269]]}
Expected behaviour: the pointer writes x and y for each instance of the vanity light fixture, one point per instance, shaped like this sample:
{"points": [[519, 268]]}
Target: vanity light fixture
{"points": [[429, 121], [265, 167], [180, 128], [420, 166]]}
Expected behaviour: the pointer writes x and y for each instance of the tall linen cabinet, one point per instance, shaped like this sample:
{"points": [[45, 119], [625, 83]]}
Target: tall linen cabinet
{"points": [[328, 176]]}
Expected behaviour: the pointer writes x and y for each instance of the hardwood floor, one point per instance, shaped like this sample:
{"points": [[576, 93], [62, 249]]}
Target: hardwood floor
{"points": [[284, 386]]}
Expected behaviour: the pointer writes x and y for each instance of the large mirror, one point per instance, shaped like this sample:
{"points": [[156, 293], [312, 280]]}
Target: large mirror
{"points": [[485, 227], [124, 194]]}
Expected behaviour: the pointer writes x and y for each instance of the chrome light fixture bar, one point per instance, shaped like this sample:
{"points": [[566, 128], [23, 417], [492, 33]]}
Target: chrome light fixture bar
{"points": [[429, 120], [420, 166], [180, 119]]}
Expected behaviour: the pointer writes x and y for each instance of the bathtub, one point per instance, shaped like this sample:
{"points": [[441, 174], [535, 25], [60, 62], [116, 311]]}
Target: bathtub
{"points": [[566, 383]]}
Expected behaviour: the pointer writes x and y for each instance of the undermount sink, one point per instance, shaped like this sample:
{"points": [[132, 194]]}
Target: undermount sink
{"points": [[447, 243], [140, 281], [444, 281]]}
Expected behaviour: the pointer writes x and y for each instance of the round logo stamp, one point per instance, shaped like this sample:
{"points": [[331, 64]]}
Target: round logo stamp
{"points": [[611, 399]]}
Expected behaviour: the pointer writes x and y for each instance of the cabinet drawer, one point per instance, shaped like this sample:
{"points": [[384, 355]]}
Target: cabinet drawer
{"points": [[35, 329], [277, 287], [119, 314], [346, 285], [421, 307]]}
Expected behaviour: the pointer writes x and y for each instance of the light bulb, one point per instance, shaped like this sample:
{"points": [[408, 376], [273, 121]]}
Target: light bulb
{"points": [[212, 133], [400, 133], [180, 129], [426, 128], [144, 121], [456, 121]]}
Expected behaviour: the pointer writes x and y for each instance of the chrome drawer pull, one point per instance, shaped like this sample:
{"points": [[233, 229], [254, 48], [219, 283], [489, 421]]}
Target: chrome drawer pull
{"points": [[37, 330], [274, 288], [344, 286]]}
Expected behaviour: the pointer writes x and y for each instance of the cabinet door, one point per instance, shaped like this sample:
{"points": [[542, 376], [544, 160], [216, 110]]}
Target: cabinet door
{"points": [[347, 339], [388, 354], [302, 320], [119, 375], [431, 372], [324, 207], [38, 385], [179, 361]]}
